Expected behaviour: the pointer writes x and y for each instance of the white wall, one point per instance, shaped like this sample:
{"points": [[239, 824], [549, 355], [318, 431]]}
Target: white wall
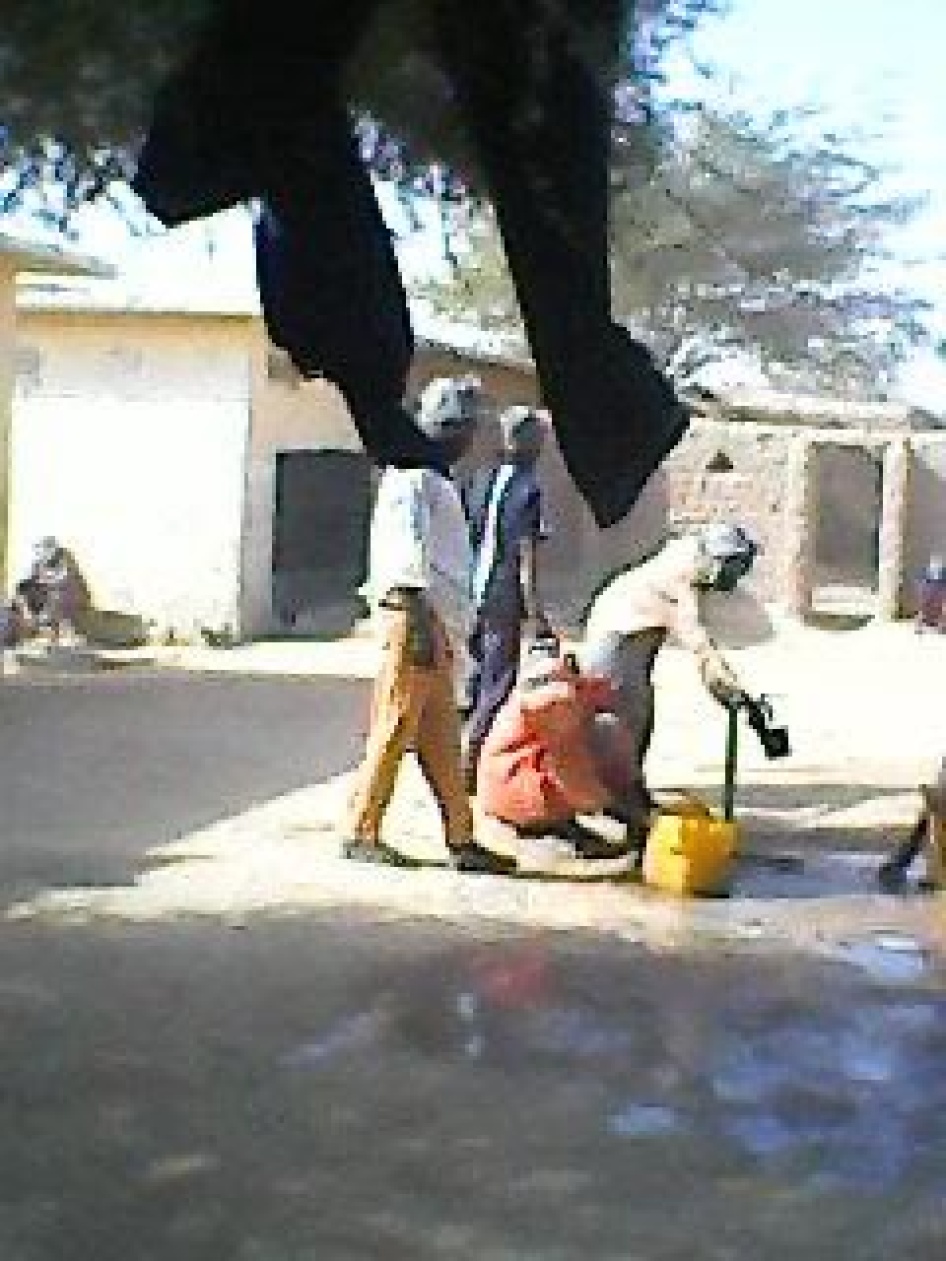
{"points": [[129, 444]]}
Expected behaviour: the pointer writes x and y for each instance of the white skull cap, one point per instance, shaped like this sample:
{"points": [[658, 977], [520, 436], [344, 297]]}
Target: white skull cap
{"points": [[450, 403], [721, 539], [519, 420]]}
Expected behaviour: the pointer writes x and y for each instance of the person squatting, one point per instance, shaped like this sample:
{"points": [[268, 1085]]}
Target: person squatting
{"points": [[574, 735]]}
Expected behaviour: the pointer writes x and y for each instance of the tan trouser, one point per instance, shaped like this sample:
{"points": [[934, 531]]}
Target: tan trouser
{"points": [[412, 708]]}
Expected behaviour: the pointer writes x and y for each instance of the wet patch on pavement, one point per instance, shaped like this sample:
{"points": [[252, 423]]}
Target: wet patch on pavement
{"points": [[328, 1086]]}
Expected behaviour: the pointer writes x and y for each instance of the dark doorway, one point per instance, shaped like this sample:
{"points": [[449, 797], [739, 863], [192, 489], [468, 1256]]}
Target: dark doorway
{"points": [[849, 487], [320, 524]]}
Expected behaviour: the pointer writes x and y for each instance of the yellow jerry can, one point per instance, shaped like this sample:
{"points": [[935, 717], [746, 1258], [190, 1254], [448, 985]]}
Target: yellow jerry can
{"points": [[690, 854]]}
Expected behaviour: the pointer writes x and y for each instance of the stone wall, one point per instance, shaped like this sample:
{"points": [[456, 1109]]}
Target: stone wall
{"points": [[742, 473]]}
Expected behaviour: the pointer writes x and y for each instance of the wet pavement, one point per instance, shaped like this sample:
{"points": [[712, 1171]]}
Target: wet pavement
{"points": [[333, 1087], [236, 1045]]}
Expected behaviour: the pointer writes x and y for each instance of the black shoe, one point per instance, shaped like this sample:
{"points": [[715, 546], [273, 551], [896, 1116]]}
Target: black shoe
{"points": [[892, 877], [362, 851], [597, 847], [476, 858], [588, 844]]}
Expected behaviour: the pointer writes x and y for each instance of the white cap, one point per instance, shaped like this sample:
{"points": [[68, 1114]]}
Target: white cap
{"points": [[46, 548], [450, 403], [519, 421], [720, 540]]}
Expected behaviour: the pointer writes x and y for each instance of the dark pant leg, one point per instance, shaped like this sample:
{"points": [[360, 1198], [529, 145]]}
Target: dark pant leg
{"points": [[256, 110], [226, 119], [331, 290], [496, 642], [908, 849], [543, 134]]}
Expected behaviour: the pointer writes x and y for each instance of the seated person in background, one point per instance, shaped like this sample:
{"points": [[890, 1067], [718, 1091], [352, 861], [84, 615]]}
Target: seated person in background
{"points": [[928, 834], [556, 750], [931, 596], [54, 595], [634, 613]]}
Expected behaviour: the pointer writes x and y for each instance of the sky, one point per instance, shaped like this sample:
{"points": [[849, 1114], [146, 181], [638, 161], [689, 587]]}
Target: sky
{"points": [[874, 66]]}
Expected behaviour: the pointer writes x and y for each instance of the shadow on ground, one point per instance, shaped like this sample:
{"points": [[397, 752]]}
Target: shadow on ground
{"points": [[335, 1088]]}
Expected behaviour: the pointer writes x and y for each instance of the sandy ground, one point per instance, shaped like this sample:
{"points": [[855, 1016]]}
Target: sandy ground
{"points": [[867, 713]]}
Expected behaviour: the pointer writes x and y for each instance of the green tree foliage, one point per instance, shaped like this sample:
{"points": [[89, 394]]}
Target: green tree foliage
{"points": [[77, 79], [743, 238], [76, 83]]}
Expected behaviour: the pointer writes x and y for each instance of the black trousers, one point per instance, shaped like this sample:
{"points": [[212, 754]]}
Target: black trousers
{"points": [[258, 110]]}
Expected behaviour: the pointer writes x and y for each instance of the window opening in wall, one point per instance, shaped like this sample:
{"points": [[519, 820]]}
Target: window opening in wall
{"points": [[321, 507], [846, 529], [720, 463]]}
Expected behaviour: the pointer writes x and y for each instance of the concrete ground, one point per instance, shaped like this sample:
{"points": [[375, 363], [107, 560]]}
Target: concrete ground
{"points": [[97, 768], [254, 1051], [332, 1086], [868, 722]]}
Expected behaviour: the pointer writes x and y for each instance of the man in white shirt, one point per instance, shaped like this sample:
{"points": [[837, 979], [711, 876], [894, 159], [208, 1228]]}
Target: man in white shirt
{"points": [[631, 617], [419, 588]]}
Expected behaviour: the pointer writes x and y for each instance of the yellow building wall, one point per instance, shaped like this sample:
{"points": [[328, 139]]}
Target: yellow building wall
{"points": [[129, 444]]}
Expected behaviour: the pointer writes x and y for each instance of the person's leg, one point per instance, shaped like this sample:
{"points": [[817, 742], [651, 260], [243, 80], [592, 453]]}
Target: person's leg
{"points": [[892, 873], [437, 746], [330, 286], [472, 668], [628, 661], [227, 117], [587, 843], [397, 702], [935, 876], [543, 133], [927, 837], [257, 111], [499, 635]]}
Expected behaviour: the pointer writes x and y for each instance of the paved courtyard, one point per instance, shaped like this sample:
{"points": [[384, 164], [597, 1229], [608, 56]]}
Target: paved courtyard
{"points": [[867, 713], [241, 1047]]}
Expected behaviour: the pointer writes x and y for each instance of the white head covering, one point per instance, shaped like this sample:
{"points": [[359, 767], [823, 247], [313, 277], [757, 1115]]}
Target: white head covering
{"points": [[450, 403], [721, 540], [45, 550], [520, 422]]}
